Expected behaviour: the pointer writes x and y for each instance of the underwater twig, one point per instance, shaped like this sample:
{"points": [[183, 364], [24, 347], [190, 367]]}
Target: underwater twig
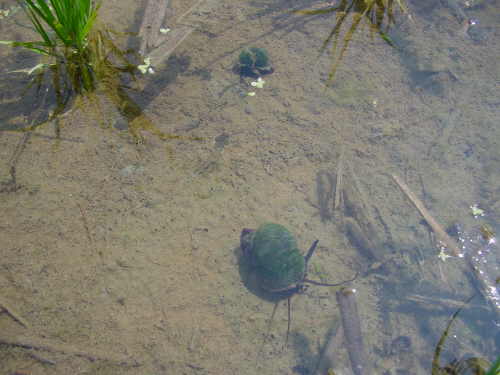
{"points": [[41, 359], [338, 185], [489, 292], [149, 32], [47, 345], [166, 44], [13, 314], [346, 298], [165, 49], [189, 11], [440, 232], [438, 303]]}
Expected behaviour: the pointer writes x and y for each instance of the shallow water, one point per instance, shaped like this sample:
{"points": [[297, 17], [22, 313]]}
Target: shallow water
{"points": [[132, 250]]}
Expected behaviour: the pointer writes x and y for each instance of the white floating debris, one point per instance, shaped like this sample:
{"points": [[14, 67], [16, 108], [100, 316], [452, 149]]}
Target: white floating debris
{"points": [[259, 83], [476, 211], [443, 256], [146, 67]]}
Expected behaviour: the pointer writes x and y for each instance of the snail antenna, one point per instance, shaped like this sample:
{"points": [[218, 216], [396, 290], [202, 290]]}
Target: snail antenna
{"points": [[328, 284], [311, 251]]}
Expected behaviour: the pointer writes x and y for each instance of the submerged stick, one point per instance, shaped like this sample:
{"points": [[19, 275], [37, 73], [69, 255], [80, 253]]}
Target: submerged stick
{"points": [[440, 232], [47, 345], [346, 298], [487, 288], [175, 37], [149, 32], [161, 46], [338, 185], [13, 314]]}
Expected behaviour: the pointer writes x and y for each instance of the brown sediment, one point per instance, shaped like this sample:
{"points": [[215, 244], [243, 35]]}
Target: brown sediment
{"points": [[346, 298], [329, 352]]}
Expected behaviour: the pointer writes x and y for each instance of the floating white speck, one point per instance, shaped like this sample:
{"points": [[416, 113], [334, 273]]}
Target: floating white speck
{"points": [[476, 211], [443, 256], [146, 67], [259, 83]]}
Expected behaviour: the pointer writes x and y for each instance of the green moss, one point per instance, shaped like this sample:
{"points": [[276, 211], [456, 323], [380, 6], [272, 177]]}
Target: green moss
{"points": [[279, 261], [246, 58], [260, 56]]}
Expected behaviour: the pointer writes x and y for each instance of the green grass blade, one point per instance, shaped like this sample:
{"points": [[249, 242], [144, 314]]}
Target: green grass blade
{"points": [[495, 368], [41, 12], [33, 46], [32, 15]]}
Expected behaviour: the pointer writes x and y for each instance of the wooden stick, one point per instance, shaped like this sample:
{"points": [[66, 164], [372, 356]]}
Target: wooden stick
{"points": [[346, 298], [338, 185], [189, 11], [487, 287], [160, 54], [44, 344], [440, 232], [157, 46], [153, 18], [440, 302], [13, 314]]}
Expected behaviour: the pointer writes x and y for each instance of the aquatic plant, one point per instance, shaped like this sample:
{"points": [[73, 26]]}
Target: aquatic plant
{"points": [[495, 367], [79, 56], [462, 366], [380, 15], [64, 27]]}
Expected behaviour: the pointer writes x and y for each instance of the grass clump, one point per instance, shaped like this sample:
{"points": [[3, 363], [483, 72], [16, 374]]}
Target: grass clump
{"points": [[65, 28], [79, 56], [379, 14]]}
